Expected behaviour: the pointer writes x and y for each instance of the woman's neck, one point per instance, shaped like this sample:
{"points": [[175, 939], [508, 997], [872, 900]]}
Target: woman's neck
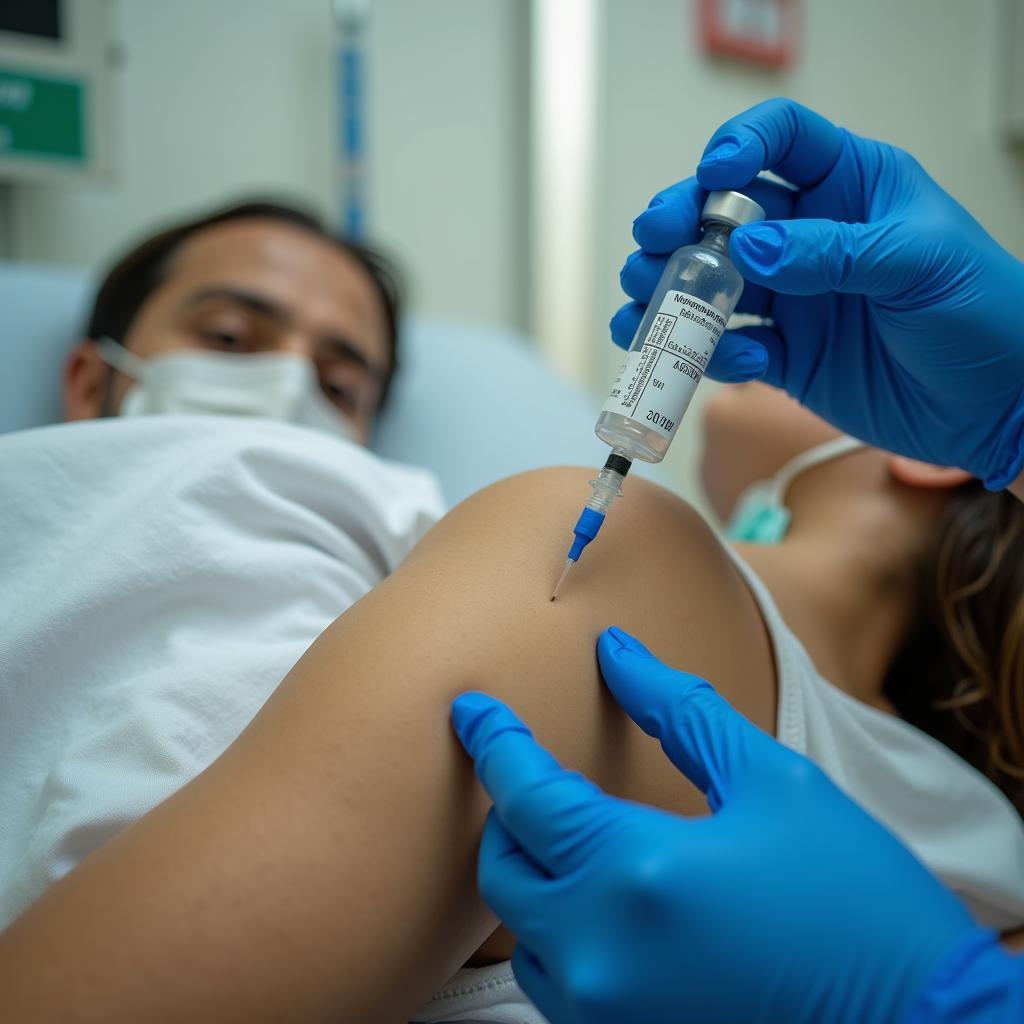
{"points": [[844, 576]]}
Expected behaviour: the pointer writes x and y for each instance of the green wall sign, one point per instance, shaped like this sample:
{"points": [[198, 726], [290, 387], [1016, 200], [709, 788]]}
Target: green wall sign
{"points": [[42, 117]]}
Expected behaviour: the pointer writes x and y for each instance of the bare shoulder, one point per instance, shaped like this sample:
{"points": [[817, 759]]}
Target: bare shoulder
{"points": [[348, 798], [657, 569], [540, 507], [471, 608]]}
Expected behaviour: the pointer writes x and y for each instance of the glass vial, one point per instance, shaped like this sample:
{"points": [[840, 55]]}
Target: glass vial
{"points": [[684, 320]]}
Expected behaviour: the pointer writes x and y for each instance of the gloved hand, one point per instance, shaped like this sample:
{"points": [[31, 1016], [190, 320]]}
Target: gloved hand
{"points": [[894, 313], [787, 904]]}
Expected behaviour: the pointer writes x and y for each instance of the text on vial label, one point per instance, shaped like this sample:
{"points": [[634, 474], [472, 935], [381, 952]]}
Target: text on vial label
{"points": [[659, 377]]}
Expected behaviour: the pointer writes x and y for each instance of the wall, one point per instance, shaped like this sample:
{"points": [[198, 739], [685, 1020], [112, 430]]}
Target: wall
{"points": [[229, 96], [235, 96], [925, 74], [191, 134], [450, 90]]}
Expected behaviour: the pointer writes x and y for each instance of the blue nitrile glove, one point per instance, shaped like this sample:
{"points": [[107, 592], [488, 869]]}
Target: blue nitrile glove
{"points": [[788, 904], [894, 312], [978, 983]]}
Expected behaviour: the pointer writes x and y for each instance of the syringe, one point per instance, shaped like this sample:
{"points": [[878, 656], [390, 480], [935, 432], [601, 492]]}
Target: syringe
{"points": [[686, 316], [607, 486]]}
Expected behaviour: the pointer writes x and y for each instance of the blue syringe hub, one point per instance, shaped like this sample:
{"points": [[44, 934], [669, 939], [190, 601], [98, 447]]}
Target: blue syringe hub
{"points": [[589, 522], [607, 487]]}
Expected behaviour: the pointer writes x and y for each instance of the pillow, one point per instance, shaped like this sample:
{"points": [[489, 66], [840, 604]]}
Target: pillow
{"points": [[42, 314], [476, 403]]}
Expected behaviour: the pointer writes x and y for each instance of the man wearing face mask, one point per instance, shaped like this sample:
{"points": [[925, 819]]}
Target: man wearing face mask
{"points": [[317, 317], [230, 377]]}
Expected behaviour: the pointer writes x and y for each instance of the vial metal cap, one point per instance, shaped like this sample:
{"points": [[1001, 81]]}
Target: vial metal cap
{"points": [[730, 208]]}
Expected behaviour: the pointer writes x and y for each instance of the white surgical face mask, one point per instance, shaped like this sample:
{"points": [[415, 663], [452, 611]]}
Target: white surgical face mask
{"points": [[760, 516], [275, 385]]}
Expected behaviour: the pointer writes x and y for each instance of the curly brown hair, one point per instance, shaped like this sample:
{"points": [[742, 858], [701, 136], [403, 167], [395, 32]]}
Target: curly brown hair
{"points": [[960, 675]]}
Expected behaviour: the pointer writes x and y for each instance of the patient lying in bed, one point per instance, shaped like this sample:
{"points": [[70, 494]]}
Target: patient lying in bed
{"points": [[164, 574], [156, 621]]}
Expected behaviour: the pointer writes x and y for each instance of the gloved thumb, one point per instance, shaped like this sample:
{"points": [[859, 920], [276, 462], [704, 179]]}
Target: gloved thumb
{"points": [[808, 257], [710, 742]]}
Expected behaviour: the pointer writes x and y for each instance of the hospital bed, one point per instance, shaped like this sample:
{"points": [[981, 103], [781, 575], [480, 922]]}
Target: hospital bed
{"points": [[511, 414]]}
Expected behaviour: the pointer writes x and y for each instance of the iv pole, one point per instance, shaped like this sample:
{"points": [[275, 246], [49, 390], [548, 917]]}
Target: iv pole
{"points": [[352, 18]]}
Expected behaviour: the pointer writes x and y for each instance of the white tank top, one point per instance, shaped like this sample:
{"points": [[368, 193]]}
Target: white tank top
{"points": [[953, 818]]}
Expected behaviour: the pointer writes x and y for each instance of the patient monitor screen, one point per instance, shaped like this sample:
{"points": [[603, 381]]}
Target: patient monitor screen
{"points": [[31, 18]]}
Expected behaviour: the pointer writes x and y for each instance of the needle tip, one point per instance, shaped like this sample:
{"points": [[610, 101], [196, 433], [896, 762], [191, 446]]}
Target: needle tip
{"points": [[561, 579]]}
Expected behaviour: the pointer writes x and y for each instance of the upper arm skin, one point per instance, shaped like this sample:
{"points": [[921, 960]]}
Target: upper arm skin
{"points": [[326, 862], [487, 571]]}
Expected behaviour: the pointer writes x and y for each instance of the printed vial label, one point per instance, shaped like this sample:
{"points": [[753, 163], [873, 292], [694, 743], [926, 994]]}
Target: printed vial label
{"points": [[659, 377]]}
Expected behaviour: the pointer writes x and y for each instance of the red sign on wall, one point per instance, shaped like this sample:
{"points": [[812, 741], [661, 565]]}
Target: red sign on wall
{"points": [[759, 31]]}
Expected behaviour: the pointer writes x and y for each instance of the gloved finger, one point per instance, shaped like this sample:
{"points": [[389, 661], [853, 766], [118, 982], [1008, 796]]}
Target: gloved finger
{"points": [[642, 271], [808, 257], [737, 358], [710, 742], [769, 346], [538, 984], [673, 217], [625, 322], [511, 884], [640, 274], [740, 355], [551, 812], [777, 135], [755, 299]]}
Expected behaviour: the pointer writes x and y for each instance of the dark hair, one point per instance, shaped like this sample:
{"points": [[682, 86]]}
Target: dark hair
{"points": [[140, 271], [960, 675]]}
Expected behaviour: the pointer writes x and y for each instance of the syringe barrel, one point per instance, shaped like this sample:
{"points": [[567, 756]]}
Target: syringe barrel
{"points": [[686, 316]]}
